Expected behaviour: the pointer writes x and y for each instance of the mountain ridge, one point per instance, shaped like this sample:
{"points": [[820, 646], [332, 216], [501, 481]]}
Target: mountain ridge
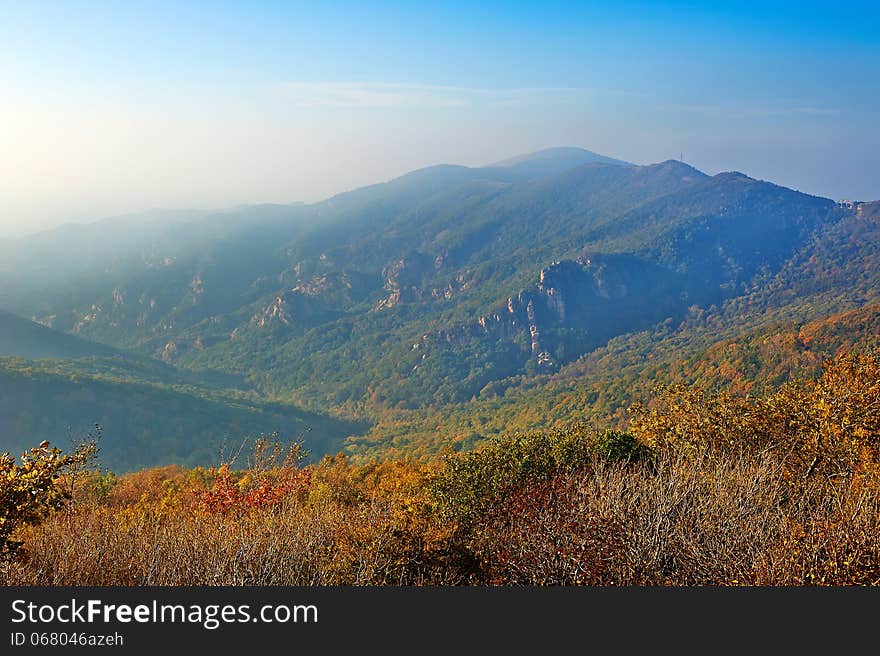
{"points": [[424, 292]]}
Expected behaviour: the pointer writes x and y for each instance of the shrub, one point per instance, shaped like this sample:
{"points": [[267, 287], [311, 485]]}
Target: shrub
{"points": [[472, 483], [29, 491]]}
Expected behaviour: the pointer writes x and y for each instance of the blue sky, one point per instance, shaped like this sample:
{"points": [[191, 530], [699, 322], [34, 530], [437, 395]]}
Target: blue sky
{"points": [[111, 107]]}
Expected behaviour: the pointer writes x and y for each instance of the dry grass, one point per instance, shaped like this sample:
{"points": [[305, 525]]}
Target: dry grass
{"points": [[720, 520], [326, 544]]}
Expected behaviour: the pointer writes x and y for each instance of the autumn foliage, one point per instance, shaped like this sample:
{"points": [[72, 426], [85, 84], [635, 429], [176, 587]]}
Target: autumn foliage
{"points": [[829, 427], [703, 489], [273, 479], [33, 488]]}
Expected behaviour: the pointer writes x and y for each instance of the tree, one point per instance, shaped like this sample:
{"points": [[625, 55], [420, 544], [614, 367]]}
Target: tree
{"points": [[31, 490]]}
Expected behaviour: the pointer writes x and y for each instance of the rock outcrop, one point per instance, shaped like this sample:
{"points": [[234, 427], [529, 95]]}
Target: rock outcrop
{"points": [[575, 305], [404, 279]]}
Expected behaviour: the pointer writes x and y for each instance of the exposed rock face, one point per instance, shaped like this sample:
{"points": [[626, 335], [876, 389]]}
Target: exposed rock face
{"points": [[311, 302], [581, 303], [87, 318], [584, 281], [48, 321], [169, 352], [324, 284], [292, 311], [281, 310], [405, 278], [451, 289]]}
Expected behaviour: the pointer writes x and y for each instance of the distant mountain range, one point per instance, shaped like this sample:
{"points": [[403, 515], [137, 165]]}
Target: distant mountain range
{"points": [[404, 314]]}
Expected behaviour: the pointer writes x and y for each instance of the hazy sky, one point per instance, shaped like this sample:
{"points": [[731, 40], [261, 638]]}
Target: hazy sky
{"points": [[114, 107]]}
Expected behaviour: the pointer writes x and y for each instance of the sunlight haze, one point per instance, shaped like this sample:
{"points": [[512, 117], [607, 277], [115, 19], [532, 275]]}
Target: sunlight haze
{"points": [[110, 109]]}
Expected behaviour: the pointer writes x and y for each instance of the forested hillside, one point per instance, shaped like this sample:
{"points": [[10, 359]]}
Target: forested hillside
{"points": [[453, 304]]}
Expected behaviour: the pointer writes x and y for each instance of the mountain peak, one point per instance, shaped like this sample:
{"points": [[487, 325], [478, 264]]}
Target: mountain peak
{"points": [[733, 175], [678, 168], [561, 156]]}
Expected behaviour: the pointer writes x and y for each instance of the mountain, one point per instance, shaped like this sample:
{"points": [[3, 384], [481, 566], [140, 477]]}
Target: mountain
{"points": [[146, 420], [27, 339], [415, 307], [54, 385], [552, 161]]}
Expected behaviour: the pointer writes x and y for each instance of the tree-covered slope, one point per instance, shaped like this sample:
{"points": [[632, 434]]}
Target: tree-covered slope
{"points": [[416, 304], [145, 420], [28, 339]]}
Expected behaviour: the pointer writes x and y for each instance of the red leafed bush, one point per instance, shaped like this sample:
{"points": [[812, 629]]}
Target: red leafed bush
{"points": [[231, 493]]}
